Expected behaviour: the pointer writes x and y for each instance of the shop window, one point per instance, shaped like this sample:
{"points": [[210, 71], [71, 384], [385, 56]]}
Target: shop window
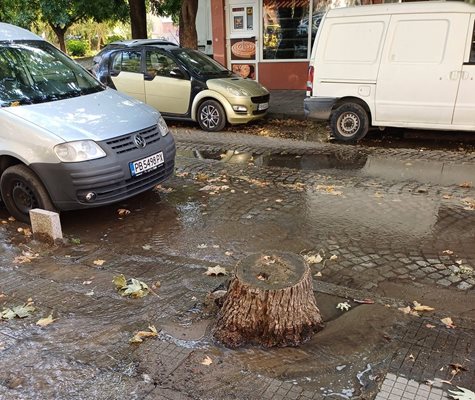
{"points": [[285, 29]]}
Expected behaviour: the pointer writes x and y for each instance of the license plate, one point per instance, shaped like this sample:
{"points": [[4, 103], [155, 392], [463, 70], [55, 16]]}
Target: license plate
{"points": [[146, 164], [263, 106]]}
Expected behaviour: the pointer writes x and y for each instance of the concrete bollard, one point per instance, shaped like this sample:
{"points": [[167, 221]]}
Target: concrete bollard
{"points": [[46, 223]]}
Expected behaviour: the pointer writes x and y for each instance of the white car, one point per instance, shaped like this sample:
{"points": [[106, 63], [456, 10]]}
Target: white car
{"points": [[67, 141]]}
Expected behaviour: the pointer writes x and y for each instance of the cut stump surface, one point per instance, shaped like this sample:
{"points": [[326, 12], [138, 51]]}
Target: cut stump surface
{"points": [[270, 302]]}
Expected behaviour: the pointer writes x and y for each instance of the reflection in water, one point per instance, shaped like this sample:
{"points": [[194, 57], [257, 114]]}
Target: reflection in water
{"points": [[424, 171]]}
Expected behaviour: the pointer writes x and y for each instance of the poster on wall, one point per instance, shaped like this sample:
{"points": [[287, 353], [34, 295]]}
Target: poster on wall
{"points": [[245, 70], [243, 49]]}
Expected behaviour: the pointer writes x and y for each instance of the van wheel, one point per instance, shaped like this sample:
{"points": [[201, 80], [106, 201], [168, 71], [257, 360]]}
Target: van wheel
{"points": [[22, 191], [211, 116], [349, 122]]}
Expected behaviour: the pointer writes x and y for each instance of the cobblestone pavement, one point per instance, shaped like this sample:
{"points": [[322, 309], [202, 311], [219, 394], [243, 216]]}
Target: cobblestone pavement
{"points": [[390, 240]]}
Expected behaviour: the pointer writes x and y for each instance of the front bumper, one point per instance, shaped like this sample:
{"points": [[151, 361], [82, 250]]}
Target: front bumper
{"points": [[109, 178], [318, 107], [254, 108]]}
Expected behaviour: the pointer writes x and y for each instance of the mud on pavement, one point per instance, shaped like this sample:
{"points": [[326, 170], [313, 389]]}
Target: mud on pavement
{"points": [[376, 241]]}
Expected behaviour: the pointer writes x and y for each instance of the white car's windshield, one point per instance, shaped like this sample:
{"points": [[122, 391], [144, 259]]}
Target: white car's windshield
{"points": [[200, 63], [37, 72]]}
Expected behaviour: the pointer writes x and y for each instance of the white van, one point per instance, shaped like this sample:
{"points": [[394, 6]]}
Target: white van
{"points": [[66, 141], [406, 65]]}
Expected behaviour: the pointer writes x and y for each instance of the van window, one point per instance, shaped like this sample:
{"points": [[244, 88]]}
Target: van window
{"points": [[472, 48], [417, 41], [355, 42], [37, 72]]}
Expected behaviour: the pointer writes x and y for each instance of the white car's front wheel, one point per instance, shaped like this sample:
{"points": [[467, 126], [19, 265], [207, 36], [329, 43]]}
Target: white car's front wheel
{"points": [[211, 116]]}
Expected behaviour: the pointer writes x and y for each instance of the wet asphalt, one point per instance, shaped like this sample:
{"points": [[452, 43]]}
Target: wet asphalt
{"points": [[390, 224]]}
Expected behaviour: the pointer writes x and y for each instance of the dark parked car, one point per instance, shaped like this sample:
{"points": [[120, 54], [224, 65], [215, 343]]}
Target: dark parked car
{"points": [[183, 84]]}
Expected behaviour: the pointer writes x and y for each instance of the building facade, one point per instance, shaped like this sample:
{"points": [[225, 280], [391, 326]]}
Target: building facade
{"points": [[269, 40]]}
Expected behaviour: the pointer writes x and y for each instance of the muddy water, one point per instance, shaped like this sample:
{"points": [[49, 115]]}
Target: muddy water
{"points": [[174, 237]]}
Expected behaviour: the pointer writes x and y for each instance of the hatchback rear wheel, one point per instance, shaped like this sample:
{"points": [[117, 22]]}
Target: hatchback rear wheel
{"points": [[349, 122], [211, 116]]}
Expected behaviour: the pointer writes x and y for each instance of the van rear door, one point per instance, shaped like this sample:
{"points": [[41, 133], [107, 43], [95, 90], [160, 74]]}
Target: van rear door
{"points": [[420, 68], [464, 113]]}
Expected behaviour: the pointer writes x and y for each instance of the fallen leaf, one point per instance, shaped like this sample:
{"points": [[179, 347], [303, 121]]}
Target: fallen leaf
{"points": [[345, 306], [333, 257], [420, 307], [25, 231], [123, 212], [207, 361], [216, 271], [202, 246], [161, 189], [228, 253], [279, 200], [99, 262], [448, 252], [156, 285], [130, 287], [411, 357], [146, 247], [313, 259], [448, 322], [91, 293], [364, 301], [141, 335], [75, 241], [318, 274], [22, 311], [408, 310], [87, 282], [462, 394], [430, 326], [466, 185], [459, 262], [45, 321]]}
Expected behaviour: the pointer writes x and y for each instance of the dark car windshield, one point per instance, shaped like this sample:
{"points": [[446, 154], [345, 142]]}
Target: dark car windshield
{"points": [[37, 72], [200, 64]]}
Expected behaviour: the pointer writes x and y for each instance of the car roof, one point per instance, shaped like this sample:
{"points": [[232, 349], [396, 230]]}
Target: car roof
{"points": [[10, 32], [142, 42]]}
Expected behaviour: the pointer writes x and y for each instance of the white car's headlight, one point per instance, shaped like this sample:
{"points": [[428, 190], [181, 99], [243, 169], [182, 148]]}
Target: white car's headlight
{"points": [[162, 126], [82, 150], [236, 92]]}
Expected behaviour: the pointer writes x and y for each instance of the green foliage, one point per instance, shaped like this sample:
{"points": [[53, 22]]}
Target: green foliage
{"points": [[167, 8], [77, 48], [19, 12], [114, 38]]}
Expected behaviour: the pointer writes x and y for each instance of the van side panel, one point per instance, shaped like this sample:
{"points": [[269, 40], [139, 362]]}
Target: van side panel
{"points": [[420, 68], [350, 48], [464, 113]]}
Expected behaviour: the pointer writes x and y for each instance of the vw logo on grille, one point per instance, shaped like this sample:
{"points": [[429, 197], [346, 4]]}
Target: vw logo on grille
{"points": [[139, 141]]}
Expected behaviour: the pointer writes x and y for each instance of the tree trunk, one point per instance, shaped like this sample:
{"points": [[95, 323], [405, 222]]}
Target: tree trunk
{"points": [[187, 32], [138, 19], [270, 302], [60, 33]]}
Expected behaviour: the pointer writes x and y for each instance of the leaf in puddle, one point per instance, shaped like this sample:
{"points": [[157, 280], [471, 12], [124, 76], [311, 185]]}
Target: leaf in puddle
{"points": [[419, 307], [22, 311], [99, 262], [313, 259], [207, 361], [141, 335], [130, 287], [46, 321], [161, 189], [409, 311], [462, 394], [75, 241], [448, 322], [123, 212], [216, 271]]}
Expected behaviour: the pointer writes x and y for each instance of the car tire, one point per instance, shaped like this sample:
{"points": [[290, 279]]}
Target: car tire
{"points": [[22, 191], [349, 122], [211, 116]]}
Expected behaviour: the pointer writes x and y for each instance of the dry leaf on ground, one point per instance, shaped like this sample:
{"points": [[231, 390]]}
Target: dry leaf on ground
{"points": [[462, 394], [409, 311], [99, 262], [141, 335], [448, 322], [419, 307], [313, 259], [46, 321], [207, 361], [123, 212], [216, 271]]}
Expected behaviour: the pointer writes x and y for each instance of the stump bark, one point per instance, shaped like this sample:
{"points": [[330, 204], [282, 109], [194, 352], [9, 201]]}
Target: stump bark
{"points": [[270, 302]]}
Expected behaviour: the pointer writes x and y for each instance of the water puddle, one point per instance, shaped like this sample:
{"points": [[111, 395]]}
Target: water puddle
{"points": [[424, 171]]}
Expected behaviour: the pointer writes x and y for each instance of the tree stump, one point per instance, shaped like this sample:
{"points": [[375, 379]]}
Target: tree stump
{"points": [[270, 302]]}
